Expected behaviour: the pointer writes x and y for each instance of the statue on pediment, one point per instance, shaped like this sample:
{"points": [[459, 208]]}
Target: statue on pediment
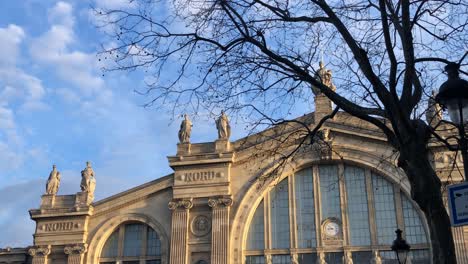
{"points": [[325, 77], [53, 183], [434, 111], [185, 130], [88, 182], [224, 129]]}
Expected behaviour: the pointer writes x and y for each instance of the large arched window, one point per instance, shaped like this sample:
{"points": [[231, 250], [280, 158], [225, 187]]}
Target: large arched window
{"points": [[334, 211], [132, 243]]}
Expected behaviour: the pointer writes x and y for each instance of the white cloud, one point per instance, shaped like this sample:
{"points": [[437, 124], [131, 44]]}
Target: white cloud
{"points": [[114, 4], [62, 13], [10, 38], [53, 49]]}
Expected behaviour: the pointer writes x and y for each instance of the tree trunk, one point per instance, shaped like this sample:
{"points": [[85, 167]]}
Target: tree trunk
{"points": [[426, 191]]}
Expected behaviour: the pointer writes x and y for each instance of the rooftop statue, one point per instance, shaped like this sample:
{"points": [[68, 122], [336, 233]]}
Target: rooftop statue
{"points": [[53, 183], [224, 129], [185, 130], [88, 183], [324, 76]]}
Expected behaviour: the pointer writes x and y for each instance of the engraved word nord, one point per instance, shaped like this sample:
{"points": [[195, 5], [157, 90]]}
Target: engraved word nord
{"points": [[61, 226], [200, 176]]}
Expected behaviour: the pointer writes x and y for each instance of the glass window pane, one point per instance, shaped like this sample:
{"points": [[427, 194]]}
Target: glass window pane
{"points": [[362, 257], [358, 213], [153, 245], [256, 234], [112, 245], [281, 259], [307, 258], [330, 191], [280, 215], [420, 256], [305, 209], [385, 216], [334, 258], [255, 260], [414, 230], [388, 257], [156, 261], [132, 262], [133, 239]]}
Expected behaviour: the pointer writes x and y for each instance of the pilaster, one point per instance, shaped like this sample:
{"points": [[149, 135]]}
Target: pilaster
{"points": [[39, 254], [179, 231], [75, 253], [220, 229]]}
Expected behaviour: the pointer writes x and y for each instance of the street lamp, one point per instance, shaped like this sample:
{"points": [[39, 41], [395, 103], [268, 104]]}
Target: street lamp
{"points": [[400, 247], [453, 95]]}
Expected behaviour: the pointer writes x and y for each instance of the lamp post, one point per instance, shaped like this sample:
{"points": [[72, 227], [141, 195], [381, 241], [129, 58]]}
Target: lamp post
{"points": [[400, 247], [453, 95]]}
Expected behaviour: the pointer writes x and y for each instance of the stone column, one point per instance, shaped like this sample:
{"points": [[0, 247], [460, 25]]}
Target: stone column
{"points": [[220, 229], [75, 253], [179, 231], [39, 254]]}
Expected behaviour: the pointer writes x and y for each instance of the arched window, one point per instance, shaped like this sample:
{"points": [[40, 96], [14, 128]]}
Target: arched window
{"points": [[132, 243], [347, 210]]}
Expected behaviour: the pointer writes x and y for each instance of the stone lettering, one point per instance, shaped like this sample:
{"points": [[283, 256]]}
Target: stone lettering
{"points": [[200, 176], [60, 226]]}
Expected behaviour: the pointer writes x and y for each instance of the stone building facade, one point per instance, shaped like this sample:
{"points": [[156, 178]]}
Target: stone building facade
{"points": [[338, 200]]}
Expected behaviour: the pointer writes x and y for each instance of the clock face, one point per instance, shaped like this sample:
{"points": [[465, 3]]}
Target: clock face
{"points": [[332, 229]]}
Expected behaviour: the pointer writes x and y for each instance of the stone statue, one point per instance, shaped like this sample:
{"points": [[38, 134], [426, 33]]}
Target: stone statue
{"points": [[324, 76], [321, 258], [348, 258], [185, 130], [224, 129], [294, 259], [376, 259], [434, 111], [88, 183], [53, 183]]}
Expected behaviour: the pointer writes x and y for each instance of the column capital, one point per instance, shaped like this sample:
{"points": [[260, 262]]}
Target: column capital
{"points": [[40, 251], [75, 249], [176, 203], [217, 201]]}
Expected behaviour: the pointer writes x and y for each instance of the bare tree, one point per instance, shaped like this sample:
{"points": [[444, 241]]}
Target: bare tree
{"points": [[257, 58]]}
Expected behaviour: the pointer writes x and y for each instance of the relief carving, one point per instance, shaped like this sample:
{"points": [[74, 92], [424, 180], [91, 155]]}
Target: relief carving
{"points": [[39, 251], [174, 204], [201, 225], [76, 249]]}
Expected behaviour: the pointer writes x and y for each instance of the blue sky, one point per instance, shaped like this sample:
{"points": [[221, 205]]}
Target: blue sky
{"points": [[56, 107]]}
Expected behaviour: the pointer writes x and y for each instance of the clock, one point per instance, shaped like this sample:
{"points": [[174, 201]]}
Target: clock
{"points": [[332, 229]]}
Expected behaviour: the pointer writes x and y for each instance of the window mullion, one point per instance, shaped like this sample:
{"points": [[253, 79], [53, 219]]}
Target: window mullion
{"points": [[144, 244], [292, 212], [317, 203], [370, 206]]}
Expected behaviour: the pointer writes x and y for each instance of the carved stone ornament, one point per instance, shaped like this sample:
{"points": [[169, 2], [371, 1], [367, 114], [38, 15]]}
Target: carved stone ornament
{"points": [[76, 249], [321, 258], [201, 225], [294, 259], [53, 183], [39, 251], [174, 204], [376, 258], [268, 259], [214, 202], [348, 258]]}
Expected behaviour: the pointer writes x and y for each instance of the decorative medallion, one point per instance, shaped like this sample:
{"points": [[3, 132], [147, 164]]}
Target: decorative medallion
{"points": [[201, 225]]}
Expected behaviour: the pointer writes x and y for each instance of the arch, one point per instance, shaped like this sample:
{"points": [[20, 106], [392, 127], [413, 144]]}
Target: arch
{"points": [[257, 191], [98, 240]]}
